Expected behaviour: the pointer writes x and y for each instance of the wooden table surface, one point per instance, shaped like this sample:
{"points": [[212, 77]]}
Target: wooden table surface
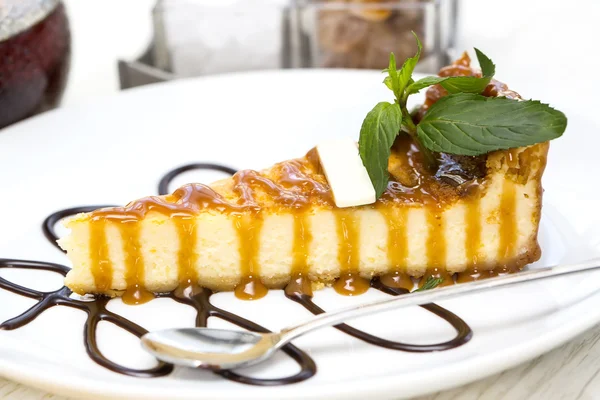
{"points": [[571, 372]]}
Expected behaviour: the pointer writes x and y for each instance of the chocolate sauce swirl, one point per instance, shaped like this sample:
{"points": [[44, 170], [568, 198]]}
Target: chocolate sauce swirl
{"points": [[199, 299], [165, 181], [95, 309], [463, 331]]}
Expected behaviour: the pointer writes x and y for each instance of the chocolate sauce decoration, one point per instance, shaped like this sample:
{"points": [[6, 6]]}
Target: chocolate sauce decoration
{"points": [[199, 299], [95, 309], [165, 181], [463, 331]]}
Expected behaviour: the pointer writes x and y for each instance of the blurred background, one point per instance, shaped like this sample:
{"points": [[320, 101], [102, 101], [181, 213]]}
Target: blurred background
{"points": [[57, 53]]}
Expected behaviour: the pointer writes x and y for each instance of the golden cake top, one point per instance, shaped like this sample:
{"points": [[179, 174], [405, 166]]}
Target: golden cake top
{"points": [[299, 184]]}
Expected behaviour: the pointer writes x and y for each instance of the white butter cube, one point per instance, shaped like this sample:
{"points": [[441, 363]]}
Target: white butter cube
{"points": [[346, 174]]}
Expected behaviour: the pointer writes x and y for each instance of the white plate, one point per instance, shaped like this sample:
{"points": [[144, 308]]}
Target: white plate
{"points": [[116, 150]]}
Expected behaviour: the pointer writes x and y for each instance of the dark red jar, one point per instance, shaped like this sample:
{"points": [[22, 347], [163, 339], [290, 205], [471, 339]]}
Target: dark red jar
{"points": [[35, 46]]}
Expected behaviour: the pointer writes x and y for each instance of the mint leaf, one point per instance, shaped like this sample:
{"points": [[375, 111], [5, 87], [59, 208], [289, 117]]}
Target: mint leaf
{"points": [[465, 84], [423, 83], [488, 69], [430, 284], [391, 81], [379, 129], [397, 81], [472, 84], [405, 73], [388, 82], [470, 124]]}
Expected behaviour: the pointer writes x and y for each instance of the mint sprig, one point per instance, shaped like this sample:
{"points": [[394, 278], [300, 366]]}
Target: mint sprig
{"points": [[464, 122], [397, 81]]}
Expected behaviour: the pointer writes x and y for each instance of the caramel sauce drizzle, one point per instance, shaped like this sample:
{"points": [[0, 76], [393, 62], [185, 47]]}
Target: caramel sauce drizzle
{"points": [[350, 283], [248, 227], [508, 221], [397, 249], [134, 264], [397, 280], [473, 231], [410, 183], [248, 230], [472, 243], [187, 256], [101, 266], [436, 246], [294, 190], [300, 268], [397, 238], [436, 249], [181, 206]]}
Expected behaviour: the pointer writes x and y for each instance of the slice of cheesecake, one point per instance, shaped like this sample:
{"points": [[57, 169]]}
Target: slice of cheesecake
{"points": [[270, 226], [259, 230]]}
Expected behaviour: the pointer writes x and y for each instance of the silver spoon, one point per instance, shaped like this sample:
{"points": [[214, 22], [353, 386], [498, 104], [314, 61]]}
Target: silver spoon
{"points": [[226, 349]]}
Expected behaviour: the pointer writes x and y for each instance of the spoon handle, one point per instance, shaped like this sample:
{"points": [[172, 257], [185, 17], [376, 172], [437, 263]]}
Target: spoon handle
{"points": [[429, 296]]}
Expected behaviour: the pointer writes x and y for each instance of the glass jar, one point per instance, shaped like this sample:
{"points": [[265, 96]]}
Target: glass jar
{"points": [[362, 33], [35, 48]]}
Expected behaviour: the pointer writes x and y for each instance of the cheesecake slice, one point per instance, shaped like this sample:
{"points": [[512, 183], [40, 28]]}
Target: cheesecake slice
{"points": [[473, 216], [265, 228]]}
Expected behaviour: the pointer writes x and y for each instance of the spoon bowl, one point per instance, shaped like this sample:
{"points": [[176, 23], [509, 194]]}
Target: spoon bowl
{"points": [[210, 348]]}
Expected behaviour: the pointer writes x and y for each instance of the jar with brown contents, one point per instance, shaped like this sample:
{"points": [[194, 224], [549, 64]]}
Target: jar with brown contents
{"points": [[362, 33]]}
